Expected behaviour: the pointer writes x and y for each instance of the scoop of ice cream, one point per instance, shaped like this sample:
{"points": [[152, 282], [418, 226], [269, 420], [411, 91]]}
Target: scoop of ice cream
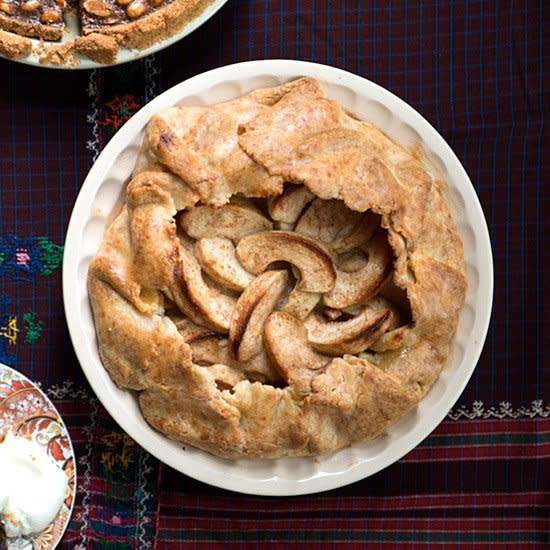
{"points": [[32, 487]]}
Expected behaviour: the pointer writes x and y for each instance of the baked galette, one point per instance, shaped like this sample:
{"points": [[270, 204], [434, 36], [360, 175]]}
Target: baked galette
{"points": [[282, 280]]}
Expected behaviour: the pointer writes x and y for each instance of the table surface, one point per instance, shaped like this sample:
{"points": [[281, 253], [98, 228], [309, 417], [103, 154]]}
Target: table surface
{"points": [[476, 71]]}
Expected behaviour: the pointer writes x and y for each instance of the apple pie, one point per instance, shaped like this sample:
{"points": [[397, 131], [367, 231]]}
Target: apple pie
{"points": [[282, 280]]}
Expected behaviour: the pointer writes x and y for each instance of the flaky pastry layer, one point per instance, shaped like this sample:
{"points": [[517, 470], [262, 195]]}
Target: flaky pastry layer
{"points": [[289, 388]]}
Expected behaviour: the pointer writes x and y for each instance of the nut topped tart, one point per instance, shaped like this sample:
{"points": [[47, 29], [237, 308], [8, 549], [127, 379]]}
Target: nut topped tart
{"points": [[137, 23], [35, 18], [105, 25], [282, 280]]}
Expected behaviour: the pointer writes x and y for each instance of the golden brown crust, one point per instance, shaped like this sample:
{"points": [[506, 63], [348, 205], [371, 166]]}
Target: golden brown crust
{"points": [[165, 329], [32, 29], [97, 47], [222, 168], [159, 25], [13, 46]]}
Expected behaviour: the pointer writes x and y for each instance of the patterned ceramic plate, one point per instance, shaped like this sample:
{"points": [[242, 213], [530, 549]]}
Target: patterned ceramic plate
{"points": [[26, 411]]}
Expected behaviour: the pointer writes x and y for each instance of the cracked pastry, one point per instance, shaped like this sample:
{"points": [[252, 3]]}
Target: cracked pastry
{"points": [[282, 280]]}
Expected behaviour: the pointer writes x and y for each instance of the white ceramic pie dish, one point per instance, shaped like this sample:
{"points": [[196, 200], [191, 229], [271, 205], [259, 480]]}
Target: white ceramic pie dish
{"points": [[102, 194], [124, 54]]}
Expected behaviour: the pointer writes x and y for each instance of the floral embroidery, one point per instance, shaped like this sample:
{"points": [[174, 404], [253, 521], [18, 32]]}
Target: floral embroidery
{"points": [[6, 354], [119, 453], [68, 389], [33, 327], [9, 330], [85, 460], [151, 72], [51, 255], [504, 410], [143, 497], [21, 258], [92, 118], [119, 110]]}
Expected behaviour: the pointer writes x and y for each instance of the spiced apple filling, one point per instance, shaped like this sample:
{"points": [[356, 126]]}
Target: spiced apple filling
{"points": [[282, 280]]}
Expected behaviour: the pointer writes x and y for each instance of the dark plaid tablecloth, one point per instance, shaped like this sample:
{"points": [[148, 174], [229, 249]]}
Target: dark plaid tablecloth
{"points": [[476, 70]]}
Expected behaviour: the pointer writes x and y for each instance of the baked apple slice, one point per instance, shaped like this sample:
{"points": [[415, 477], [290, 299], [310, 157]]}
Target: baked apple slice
{"points": [[325, 220], [253, 306], [194, 296], [313, 261], [287, 207], [352, 336], [357, 235], [357, 286], [286, 340], [218, 259], [231, 221], [212, 349], [301, 303]]}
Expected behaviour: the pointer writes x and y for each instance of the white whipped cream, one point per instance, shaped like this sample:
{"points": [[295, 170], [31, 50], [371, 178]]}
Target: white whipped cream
{"points": [[32, 487]]}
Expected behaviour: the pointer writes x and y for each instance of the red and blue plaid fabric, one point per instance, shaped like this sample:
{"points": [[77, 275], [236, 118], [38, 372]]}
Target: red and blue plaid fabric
{"points": [[476, 70]]}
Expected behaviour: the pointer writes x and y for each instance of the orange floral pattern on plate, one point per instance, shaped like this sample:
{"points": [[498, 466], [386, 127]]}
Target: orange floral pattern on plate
{"points": [[26, 412]]}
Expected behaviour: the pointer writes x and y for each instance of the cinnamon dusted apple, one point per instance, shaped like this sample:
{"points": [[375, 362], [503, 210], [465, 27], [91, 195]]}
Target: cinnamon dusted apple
{"points": [[352, 336], [287, 341], [276, 289], [218, 260], [253, 307], [288, 206], [355, 287], [312, 260], [231, 221], [301, 303]]}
